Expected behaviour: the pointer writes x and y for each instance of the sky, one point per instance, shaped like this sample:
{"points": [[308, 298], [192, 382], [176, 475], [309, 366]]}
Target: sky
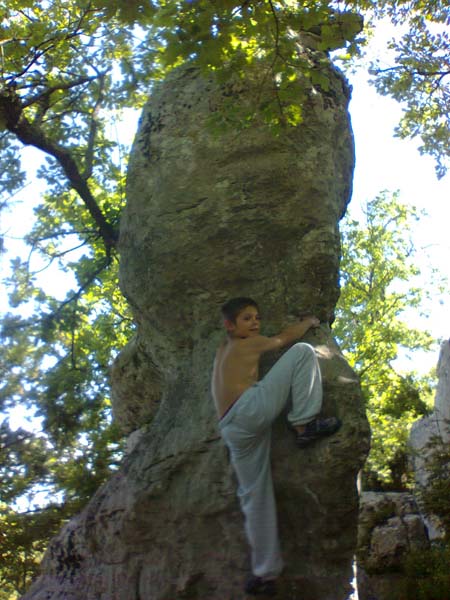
{"points": [[383, 162]]}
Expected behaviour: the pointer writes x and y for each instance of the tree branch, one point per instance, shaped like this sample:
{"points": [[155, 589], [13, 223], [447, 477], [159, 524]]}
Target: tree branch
{"points": [[89, 156], [30, 134], [81, 289], [53, 257], [57, 234], [422, 72], [17, 440], [60, 86]]}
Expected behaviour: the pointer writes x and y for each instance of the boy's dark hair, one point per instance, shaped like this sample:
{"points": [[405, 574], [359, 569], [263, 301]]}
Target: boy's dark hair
{"points": [[233, 307]]}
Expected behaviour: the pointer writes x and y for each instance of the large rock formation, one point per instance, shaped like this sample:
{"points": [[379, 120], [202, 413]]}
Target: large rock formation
{"points": [[434, 427], [390, 526], [208, 217]]}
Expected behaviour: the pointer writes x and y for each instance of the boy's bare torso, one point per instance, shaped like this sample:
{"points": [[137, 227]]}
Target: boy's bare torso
{"points": [[236, 365], [236, 369]]}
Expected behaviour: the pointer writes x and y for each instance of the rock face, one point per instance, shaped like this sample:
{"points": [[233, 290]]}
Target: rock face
{"points": [[390, 526], [437, 425], [209, 217]]}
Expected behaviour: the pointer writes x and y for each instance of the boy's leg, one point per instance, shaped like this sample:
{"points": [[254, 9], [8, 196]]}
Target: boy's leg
{"points": [[257, 501], [250, 455], [297, 371]]}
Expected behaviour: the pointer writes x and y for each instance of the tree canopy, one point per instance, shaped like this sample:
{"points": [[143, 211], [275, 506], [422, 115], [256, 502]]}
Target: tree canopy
{"points": [[67, 71], [378, 293], [419, 76]]}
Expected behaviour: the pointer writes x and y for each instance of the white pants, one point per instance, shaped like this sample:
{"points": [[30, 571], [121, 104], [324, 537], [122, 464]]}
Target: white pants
{"points": [[246, 429]]}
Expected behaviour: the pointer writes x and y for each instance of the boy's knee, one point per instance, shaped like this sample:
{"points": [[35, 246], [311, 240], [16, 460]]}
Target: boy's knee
{"points": [[304, 348], [305, 353]]}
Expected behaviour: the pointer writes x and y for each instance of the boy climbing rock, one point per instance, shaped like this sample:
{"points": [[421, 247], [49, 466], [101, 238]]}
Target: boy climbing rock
{"points": [[247, 408]]}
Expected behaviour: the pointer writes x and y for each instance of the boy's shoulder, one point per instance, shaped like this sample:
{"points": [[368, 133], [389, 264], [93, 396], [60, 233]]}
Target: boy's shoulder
{"points": [[257, 343], [251, 343], [230, 343]]}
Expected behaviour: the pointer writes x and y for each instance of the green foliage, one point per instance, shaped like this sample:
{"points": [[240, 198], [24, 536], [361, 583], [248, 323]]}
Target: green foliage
{"points": [[58, 366], [67, 71], [23, 538], [420, 74], [377, 289], [428, 574], [63, 76], [435, 497], [63, 99], [64, 79], [54, 361], [23, 458]]}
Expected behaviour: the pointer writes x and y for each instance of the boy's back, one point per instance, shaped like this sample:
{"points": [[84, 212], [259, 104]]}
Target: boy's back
{"points": [[235, 370]]}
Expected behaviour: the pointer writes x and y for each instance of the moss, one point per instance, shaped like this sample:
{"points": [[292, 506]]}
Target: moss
{"points": [[427, 574], [435, 498]]}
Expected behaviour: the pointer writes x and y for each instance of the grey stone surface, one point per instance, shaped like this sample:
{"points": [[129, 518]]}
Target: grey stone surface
{"points": [[437, 425], [209, 217], [133, 402], [390, 525]]}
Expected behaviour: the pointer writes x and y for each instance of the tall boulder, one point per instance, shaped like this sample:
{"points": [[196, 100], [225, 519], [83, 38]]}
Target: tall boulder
{"points": [[392, 524], [433, 427], [210, 216]]}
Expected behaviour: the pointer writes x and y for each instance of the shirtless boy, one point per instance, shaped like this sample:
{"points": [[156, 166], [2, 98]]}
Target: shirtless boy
{"points": [[247, 408]]}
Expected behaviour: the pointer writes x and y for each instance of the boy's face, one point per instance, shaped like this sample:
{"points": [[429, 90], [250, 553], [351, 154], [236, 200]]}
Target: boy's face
{"points": [[247, 323]]}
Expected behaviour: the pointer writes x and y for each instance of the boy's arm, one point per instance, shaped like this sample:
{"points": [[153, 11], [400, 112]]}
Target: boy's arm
{"points": [[289, 334]]}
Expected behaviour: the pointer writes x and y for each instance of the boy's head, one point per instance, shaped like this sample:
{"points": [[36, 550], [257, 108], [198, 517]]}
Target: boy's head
{"points": [[233, 307], [241, 317]]}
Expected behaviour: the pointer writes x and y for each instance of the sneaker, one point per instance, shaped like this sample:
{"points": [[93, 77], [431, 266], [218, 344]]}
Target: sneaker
{"points": [[256, 586], [316, 429]]}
